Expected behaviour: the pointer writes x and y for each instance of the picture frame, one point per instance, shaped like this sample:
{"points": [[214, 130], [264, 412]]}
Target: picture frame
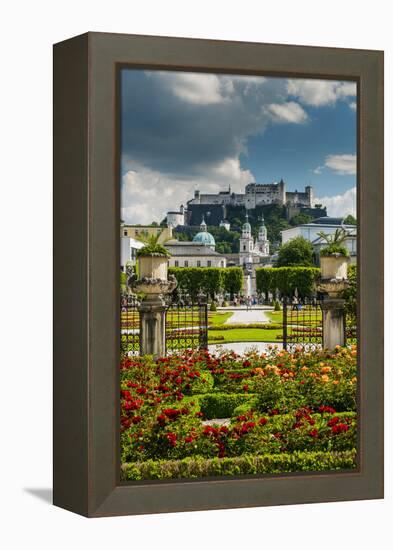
{"points": [[86, 258]]}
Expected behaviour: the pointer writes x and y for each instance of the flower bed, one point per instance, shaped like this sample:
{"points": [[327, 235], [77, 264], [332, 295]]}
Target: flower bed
{"points": [[276, 405]]}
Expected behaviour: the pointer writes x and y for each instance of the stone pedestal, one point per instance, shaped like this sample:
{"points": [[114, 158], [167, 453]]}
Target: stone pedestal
{"points": [[333, 318], [152, 326]]}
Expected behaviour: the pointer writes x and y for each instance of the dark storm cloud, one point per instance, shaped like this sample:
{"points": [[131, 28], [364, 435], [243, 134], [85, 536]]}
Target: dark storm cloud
{"points": [[171, 129]]}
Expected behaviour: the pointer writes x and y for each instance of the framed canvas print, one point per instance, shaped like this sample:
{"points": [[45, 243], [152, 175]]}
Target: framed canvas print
{"points": [[218, 259]]}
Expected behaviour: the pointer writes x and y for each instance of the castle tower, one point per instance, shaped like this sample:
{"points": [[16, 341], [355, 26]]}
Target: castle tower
{"points": [[310, 195], [246, 244], [263, 243]]}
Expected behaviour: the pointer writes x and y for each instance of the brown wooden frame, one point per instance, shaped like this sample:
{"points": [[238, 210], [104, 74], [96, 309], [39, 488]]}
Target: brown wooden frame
{"points": [[86, 273]]}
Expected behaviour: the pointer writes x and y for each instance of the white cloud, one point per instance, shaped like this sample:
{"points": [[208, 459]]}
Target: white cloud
{"points": [[318, 170], [340, 205], [342, 164], [196, 88], [147, 195], [353, 105], [320, 92], [290, 112]]}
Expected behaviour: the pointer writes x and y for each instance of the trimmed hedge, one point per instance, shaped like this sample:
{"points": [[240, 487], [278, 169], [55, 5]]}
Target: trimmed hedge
{"points": [[198, 467], [287, 279], [221, 405], [211, 280]]}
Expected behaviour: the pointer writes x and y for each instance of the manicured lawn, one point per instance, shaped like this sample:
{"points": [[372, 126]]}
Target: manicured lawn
{"points": [[219, 318], [245, 335], [302, 317]]}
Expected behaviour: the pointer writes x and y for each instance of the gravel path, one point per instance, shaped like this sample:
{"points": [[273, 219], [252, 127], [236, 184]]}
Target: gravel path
{"points": [[242, 316]]}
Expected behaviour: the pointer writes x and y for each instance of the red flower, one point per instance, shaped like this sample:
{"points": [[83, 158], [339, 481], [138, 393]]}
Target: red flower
{"points": [[172, 438], [172, 413], [133, 405], [245, 387], [313, 433], [246, 363], [339, 428], [273, 412], [325, 408], [141, 391], [189, 439], [333, 421], [262, 421], [246, 427], [136, 419], [161, 419]]}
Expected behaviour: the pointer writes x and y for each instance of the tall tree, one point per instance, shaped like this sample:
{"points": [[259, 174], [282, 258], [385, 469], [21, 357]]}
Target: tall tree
{"points": [[297, 251]]}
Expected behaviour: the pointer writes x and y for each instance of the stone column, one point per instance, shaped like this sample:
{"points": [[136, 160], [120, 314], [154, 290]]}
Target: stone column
{"points": [[152, 326], [333, 281], [333, 318]]}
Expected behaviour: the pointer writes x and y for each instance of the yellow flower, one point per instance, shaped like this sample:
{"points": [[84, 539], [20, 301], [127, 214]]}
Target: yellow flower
{"points": [[304, 368], [325, 378], [326, 369], [335, 382]]}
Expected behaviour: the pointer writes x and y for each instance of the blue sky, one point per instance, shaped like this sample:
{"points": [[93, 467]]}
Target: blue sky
{"points": [[186, 131]]}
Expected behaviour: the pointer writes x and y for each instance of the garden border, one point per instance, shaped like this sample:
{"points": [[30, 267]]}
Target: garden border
{"points": [[86, 273]]}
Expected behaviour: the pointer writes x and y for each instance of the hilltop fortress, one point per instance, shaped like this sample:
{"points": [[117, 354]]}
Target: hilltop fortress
{"points": [[213, 206]]}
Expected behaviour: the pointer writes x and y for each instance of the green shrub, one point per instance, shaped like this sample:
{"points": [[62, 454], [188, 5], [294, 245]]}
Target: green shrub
{"points": [[250, 405], [221, 405], [287, 279], [213, 306], [277, 306], [203, 384], [197, 467]]}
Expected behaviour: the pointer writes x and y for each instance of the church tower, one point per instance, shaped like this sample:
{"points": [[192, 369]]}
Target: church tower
{"points": [[246, 244], [263, 243]]}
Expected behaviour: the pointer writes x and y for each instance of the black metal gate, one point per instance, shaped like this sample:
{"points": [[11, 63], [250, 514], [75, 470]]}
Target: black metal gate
{"points": [[302, 323], [186, 323], [129, 324]]}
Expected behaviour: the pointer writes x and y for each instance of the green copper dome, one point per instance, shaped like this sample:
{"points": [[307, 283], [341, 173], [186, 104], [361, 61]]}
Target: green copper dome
{"points": [[203, 237]]}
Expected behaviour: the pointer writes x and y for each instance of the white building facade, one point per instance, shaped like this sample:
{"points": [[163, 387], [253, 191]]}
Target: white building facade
{"points": [[326, 225]]}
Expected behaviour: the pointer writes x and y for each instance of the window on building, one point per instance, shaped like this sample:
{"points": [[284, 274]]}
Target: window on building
{"points": [[176, 263], [244, 247], [198, 263], [125, 233], [209, 264], [185, 263]]}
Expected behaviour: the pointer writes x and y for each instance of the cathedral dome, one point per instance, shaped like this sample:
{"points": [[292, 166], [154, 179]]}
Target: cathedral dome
{"points": [[203, 237]]}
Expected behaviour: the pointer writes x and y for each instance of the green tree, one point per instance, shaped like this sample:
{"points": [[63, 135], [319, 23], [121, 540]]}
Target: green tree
{"points": [[350, 220], [296, 252], [299, 219]]}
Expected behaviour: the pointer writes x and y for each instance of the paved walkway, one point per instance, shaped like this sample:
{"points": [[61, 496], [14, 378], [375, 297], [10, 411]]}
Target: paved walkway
{"points": [[242, 316], [241, 347]]}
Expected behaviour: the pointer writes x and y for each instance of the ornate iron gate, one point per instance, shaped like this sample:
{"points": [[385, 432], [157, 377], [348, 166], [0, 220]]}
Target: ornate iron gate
{"points": [[302, 323], [186, 323], [129, 324]]}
